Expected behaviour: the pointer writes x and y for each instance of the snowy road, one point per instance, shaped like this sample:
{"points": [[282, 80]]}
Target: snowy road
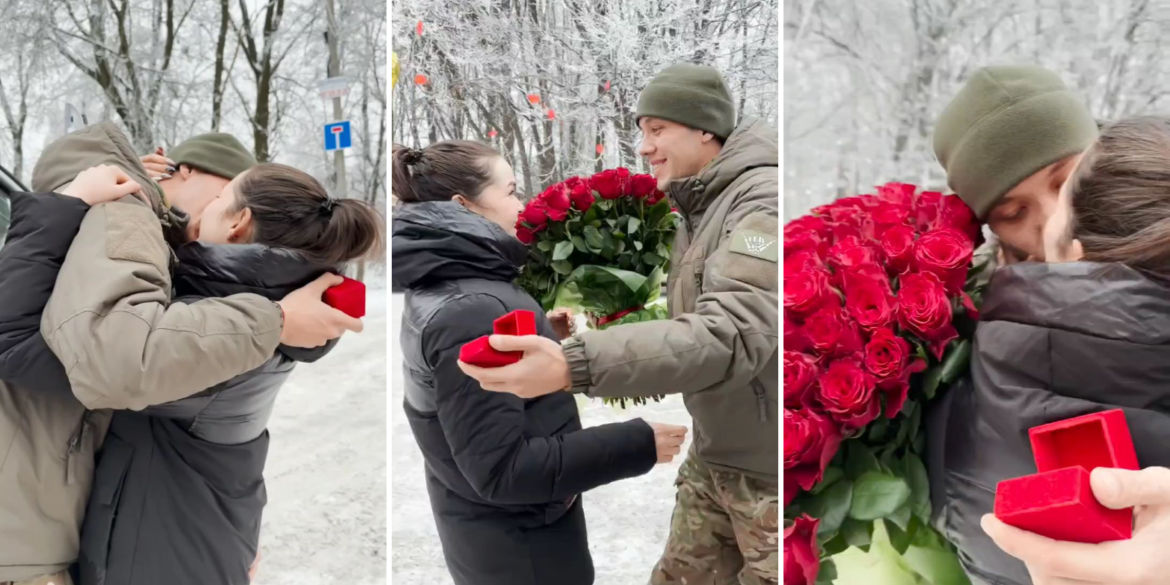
{"points": [[627, 520], [325, 522]]}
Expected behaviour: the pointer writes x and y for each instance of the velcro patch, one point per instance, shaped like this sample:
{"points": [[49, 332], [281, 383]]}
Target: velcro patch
{"points": [[755, 244]]}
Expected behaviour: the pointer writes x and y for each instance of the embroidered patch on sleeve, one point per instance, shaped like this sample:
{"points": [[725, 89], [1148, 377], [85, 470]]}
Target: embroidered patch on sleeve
{"points": [[755, 244]]}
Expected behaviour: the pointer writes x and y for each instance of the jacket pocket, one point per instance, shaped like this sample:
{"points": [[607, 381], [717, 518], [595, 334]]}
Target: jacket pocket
{"points": [[75, 450], [97, 533]]}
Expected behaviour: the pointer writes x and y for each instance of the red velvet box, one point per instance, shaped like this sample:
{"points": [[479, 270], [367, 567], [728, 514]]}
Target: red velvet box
{"points": [[1058, 501], [481, 353], [349, 297], [1060, 505]]}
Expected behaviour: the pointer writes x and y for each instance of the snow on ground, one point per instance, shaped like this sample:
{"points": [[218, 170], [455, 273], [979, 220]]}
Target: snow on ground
{"points": [[325, 522], [627, 521]]}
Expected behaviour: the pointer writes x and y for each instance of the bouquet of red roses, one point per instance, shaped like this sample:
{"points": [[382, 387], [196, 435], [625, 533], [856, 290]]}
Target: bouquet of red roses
{"points": [[600, 246], [879, 307]]}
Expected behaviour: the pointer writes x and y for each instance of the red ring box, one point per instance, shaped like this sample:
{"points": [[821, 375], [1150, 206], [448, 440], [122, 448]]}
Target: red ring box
{"points": [[481, 353], [349, 297], [1058, 501]]}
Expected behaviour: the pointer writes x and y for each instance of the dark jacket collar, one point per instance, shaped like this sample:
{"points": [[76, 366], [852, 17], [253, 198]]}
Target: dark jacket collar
{"points": [[440, 241]]}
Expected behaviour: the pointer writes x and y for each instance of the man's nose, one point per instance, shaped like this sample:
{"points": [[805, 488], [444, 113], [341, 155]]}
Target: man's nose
{"points": [[645, 148]]}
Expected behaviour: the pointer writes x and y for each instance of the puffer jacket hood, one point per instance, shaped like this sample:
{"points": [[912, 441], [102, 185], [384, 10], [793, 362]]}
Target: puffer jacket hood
{"points": [[1054, 341], [439, 241], [752, 145]]}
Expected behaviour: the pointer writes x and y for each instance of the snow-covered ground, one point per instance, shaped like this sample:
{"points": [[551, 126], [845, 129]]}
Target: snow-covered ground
{"points": [[325, 522], [627, 520]]}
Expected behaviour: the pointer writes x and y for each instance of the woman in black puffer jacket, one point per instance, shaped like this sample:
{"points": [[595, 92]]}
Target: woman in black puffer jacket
{"points": [[1086, 332], [504, 474]]}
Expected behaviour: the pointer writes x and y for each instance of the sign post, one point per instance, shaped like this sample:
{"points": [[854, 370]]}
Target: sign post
{"points": [[340, 185]]}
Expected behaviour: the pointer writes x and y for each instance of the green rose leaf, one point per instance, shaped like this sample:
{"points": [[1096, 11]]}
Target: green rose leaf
{"points": [[900, 539], [956, 362], [652, 259], [593, 238], [877, 495], [544, 245], [857, 533], [579, 244], [835, 545], [563, 250], [859, 460], [902, 516], [638, 245], [919, 486], [877, 430], [828, 573], [562, 267], [634, 224], [834, 504], [832, 474]]}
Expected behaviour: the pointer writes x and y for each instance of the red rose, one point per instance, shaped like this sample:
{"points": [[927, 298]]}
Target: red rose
{"points": [[525, 235], [927, 209], [572, 182], [582, 197], [925, 310], [800, 372], [802, 261], [557, 214], [955, 214], [898, 245], [897, 193], [888, 358], [794, 338], [805, 292], [643, 185], [946, 253], [847, 393], [809, 223], [655, 197], [888, 215], [556, 198], [830, 332], [870, 303], [810, 441], [610, 184], [535, 214], [802, 560]]}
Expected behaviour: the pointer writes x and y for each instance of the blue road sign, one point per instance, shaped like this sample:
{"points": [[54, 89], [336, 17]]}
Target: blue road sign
{"points": [[338, 136]]}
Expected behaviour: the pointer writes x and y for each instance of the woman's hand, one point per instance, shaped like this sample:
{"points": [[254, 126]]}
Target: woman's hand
{"points": [[158, 166], [101, 184], [255, 566], [563, 323], [668, 439]]}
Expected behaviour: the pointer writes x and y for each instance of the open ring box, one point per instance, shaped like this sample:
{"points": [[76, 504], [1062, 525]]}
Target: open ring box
{"points": [[1058, 500], [481, 353]]}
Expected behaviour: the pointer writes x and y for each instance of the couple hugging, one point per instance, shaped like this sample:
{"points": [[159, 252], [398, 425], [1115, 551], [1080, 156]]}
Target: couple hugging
{"points": [[145, 330], [506, 457], [1077, 320]]}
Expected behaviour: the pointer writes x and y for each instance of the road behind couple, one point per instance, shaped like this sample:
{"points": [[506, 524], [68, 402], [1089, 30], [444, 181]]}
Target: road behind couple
{"points": [[1076, 321], [145, 331]]}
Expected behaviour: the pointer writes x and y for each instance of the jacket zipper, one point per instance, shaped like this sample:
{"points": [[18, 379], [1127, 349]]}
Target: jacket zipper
{"points": [[761, 399], [75, 450]]}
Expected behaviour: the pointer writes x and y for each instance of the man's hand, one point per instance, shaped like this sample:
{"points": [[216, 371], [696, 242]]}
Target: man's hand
{"points": [[158, 166], [542, 370], [1139, 561], [668, 439], [562, 323], [101, 184], [308, 321]]}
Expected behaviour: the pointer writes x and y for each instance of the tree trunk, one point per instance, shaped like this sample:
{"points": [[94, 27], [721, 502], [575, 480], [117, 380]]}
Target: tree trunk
{"points": [[220, 45]]}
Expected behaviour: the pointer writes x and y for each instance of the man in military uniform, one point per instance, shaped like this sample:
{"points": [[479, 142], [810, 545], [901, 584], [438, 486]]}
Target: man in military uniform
{"points": [[719, 349]]}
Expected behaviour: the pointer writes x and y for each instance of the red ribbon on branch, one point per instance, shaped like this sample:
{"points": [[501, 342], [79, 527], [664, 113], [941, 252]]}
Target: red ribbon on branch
{"points": [[602, 322]]}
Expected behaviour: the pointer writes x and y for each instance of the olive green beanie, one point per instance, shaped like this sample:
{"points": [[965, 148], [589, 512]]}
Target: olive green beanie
{"points": [[692, 95], [1005, 124], [216, 153]]}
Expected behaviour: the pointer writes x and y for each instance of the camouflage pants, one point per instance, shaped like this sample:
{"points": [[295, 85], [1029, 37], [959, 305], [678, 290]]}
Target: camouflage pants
{"points": [[57, 579], [724, 530]]}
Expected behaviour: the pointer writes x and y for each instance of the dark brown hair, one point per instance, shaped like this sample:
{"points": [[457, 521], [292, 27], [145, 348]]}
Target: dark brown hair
{"points": [[441, 171], [1120, 196], [290, 209]]}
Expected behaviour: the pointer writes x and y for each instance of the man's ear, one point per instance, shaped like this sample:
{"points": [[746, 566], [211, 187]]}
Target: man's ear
{"points": [[708, 137], [184, 172], [1075, 251]]}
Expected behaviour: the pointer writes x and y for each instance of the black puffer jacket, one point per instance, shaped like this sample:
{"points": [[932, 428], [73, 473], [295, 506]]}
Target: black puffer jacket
{"points": [[1055, 341], [503, 473], [179, 487]]}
